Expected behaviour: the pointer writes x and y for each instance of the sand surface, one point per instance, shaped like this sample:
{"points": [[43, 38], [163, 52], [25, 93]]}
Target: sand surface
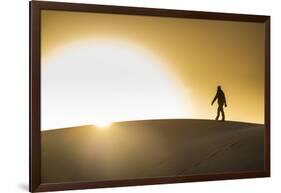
{"points": [[153, 148]]}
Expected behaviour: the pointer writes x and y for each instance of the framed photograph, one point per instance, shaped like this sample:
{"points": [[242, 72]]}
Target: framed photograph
{"points": [[123, 96]]}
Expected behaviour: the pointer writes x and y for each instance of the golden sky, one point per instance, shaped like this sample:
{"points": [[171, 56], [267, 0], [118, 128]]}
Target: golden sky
{"points": [[201, 53]]}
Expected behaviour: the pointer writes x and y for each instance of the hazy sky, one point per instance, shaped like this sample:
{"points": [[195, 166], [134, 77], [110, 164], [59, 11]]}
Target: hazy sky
{"points": [[191, 56]]}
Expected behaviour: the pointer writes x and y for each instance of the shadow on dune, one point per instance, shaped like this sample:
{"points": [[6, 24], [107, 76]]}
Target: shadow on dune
{"points": [[151, 148]]}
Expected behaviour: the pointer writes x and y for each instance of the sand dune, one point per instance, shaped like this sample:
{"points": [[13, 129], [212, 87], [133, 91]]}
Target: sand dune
{"points": [[152, 148]]}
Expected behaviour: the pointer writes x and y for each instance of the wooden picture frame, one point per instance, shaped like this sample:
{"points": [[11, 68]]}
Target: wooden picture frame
{"points": [[36, 7]]}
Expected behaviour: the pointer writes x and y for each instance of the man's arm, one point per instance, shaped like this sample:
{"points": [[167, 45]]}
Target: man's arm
{"points": [[224, 101], [215, 98]]}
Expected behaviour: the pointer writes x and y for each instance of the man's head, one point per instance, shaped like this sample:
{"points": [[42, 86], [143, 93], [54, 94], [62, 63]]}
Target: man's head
{"points": [[219, 87]]}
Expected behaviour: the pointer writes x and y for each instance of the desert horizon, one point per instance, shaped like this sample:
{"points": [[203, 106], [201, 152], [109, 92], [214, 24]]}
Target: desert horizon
{"points": [[105, 125]]}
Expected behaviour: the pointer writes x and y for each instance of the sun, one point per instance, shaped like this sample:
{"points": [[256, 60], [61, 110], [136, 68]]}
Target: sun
{"points": [[103, 81], [103, 124]]}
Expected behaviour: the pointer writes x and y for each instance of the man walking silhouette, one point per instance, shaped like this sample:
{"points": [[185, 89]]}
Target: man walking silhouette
{"points": [[221, 102]]}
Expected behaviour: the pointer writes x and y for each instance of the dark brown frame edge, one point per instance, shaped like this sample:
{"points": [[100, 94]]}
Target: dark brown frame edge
{"points": [[35, 7]]}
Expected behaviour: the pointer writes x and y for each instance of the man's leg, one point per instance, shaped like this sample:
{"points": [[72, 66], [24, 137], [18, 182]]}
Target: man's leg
{"points": [[218, 113], [222, 112]]}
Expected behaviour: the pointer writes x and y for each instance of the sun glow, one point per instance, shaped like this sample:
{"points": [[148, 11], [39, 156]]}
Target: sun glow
{"points": [[100, 82], [102, 124]]}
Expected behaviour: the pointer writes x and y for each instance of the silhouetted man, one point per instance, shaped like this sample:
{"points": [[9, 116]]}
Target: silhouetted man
{"points": [[221, 102]]}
